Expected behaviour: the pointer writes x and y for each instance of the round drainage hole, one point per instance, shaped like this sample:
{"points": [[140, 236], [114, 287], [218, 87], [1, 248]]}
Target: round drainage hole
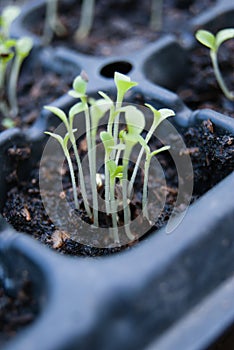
{"points": [[109, 70]]}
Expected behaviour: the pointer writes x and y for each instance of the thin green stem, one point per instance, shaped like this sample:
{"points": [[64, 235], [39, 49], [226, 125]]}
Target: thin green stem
{"points": [[52, 22], [114, 209], [145, 188], [91, 167], [111, 120], [2, 74], [12, 87], [118, 104], [86, 19], [50, 19], [125, 194], [117, 156], [82, 182], [107, 185], [3, 104], [133, 177], [229, 94], [72, 178]]}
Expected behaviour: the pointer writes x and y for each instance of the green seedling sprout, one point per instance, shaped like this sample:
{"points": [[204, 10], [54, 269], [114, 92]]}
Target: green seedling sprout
{"points": [[117, 150], [159, 116], [109, 145], [23, 47], [123, 83], [79, 91], [213, 42], [135, 121], [111, 173], [9, 14], [63, 142], [97, 111], [6, 55], [86, 19], [108, 142], [68, 122], [53, 25], [12, 54]]}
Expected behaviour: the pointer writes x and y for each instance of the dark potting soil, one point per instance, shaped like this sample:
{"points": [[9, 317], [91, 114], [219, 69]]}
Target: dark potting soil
{"points": [[36, 90], [122, 27], [200, 89], [212, 157], [16, 312]]}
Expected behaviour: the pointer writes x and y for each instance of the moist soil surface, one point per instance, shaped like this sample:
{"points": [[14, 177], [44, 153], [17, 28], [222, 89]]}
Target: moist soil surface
{"points": [[212, 157], [122, 27]]}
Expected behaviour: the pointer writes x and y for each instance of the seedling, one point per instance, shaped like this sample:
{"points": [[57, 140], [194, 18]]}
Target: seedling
{"points": [[118, 146], [53, 25], [213, 42], [63, 142], [12, 54], [86, 19]]}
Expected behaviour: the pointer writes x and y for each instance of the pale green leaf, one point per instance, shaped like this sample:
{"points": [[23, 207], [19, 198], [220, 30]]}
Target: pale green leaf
{"points": [[9, 14], [223, 35], [122, 134], [156, 113], [119, 171], [99, 108], [206, 38], [75, 94], [135, 120], [130, 138], [111, 167], [74, 110], [8, 123], [24, 46], [65, 140], [119, 147], [143, 143], [9, 43], [108, 140], [166, 112], [55, 136], [123, 83], [121, 77], [59, 113], [162, 149], [115, 171], [105, 96], [80, 84]]}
